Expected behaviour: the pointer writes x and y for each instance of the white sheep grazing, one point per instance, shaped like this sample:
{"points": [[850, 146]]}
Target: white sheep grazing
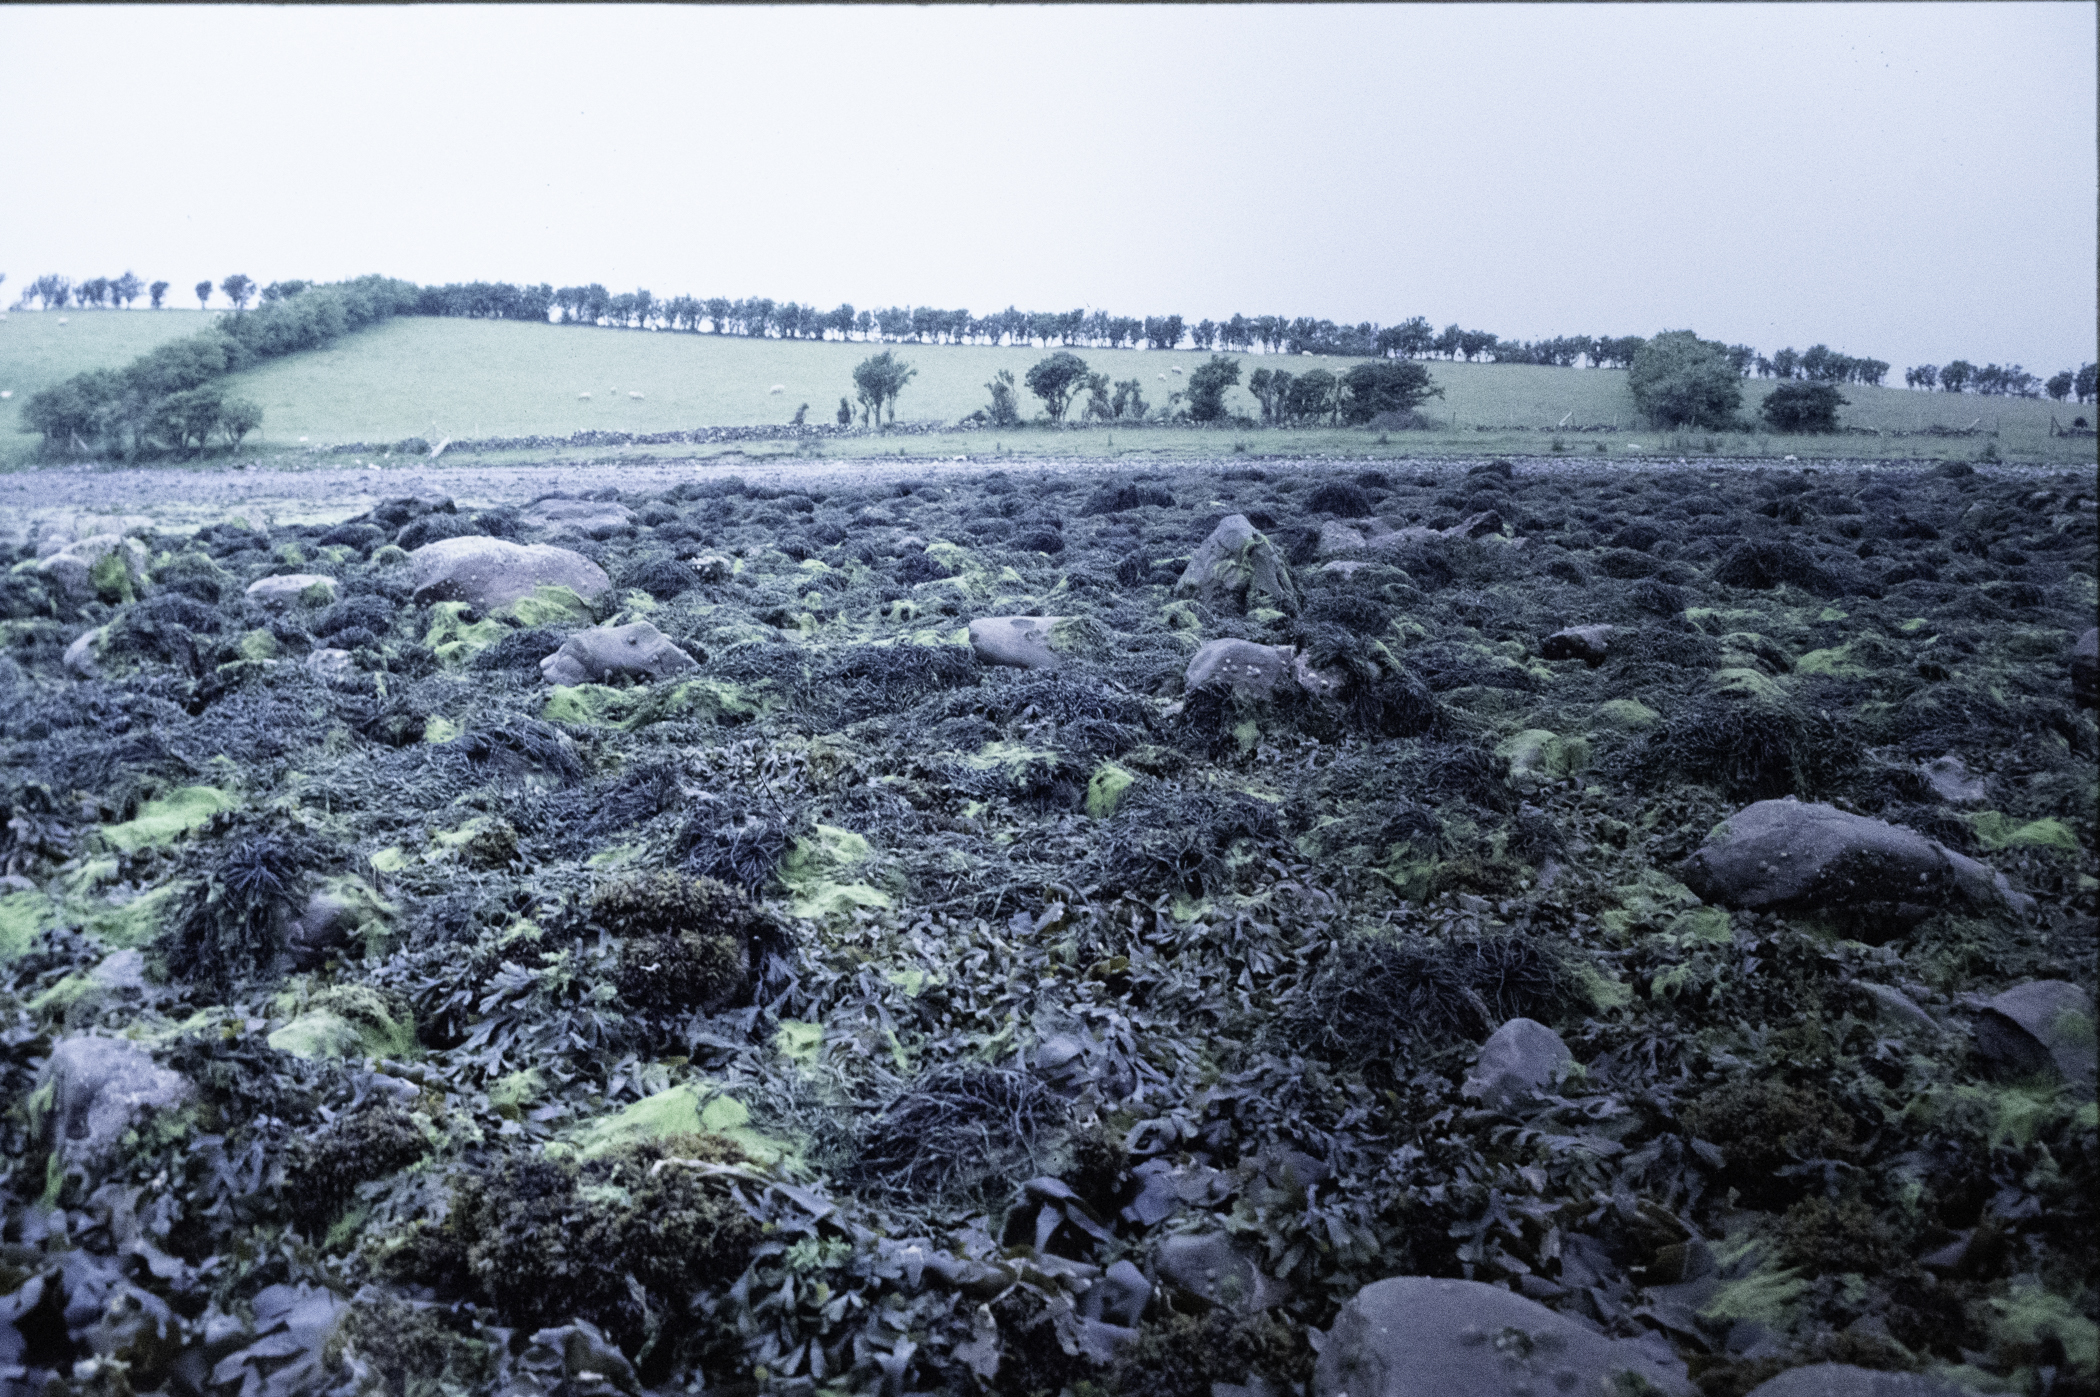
{"points": [[583, 397], [1162, 378], [778, 388], [634, 395], [1175, 369]]}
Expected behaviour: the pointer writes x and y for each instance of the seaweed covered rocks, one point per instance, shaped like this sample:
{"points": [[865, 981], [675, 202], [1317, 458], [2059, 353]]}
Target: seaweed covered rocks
{"points": [[1053, 934]]}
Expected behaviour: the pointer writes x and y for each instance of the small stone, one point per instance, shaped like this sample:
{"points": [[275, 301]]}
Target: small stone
{"points": [[1018, 642], [1844, 1380], [597, 519], [292, 589], [1951, 782], [101, 1088], [1589, 644], [2085, 669], [83, 656], [331, 666], [637, 650], [2045, 1028], [1207, 1267], [1250, 670], [1519, 1058]]}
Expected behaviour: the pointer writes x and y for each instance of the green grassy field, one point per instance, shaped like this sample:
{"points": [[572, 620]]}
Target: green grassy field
{"points": [[467, 379], [40, 348]]}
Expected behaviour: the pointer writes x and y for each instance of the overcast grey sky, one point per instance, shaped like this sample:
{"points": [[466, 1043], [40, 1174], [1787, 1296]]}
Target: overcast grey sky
{"points": [[1913, 182]]}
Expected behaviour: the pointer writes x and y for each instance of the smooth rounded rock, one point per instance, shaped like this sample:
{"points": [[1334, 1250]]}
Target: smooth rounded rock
{"points": [[2085, 668], [1413, 1336], [1248, 669], [1518, 1059], [492, 572], [599, 519], [1844, 1380], [2044, 1027], [1209, 1268], [101, 1088], [331, 666], [1791, 854], [84, 656], [1589, 644], [73, 567], [637, 650], [292, 589], [1018, 642]]}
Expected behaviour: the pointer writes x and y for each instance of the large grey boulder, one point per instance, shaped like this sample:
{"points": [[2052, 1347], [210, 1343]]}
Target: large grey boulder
{"points": [[292, 589], [491, 572], [1207, 1267], [1589, 644], [1844, 1380], [72, 568], [581, 518], [1413, 1336], [1237, 569], [1018, 642], [1519, 1058], [101, 1088], [2041, 1028], [2085, 669], [637, 650], [1249, 670], [1797, 855]]}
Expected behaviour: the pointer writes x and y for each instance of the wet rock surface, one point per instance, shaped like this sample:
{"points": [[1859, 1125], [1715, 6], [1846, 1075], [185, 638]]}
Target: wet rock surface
{"points": [[1413, 1336], [635, 651], [845, 1003]]}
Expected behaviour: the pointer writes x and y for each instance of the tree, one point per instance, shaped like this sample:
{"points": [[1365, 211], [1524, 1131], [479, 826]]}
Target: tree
{"points": [[1407, 339], [2087, 381], [1678, 379], [157, 291], [187, 419], [126, 288], [1269, 386], [1924, 376], [1954, 378], [1097, 403], [1129, 400], [203, 293], [1742, 358], [1005, 410], [878, 380], [1207, 384], [1163, 331], [1204, 335], [2059, 385], [1312, 397], [1385, 385], [1055, 380], [1785, 362], [237, 418], [238, 289], [1447, 342], [1803, 407]]}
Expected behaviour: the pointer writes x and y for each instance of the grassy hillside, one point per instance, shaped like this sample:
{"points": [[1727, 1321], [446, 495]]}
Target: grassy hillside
{"points": [[459, 378], [475, 379], [40, 348]]}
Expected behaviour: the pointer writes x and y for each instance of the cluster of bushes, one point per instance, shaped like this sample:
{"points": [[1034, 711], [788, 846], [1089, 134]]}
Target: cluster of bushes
{"points": [[166, 400], [1680, 380], [1382, 389], [1996, 381]]}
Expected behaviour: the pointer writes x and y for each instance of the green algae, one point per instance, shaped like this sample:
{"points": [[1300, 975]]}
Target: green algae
{"points": [[1537, 754], [547, 606], [799, 1042], [1994, 830], [161, 821], [680, 1110], [454, 639], [346, 1022], [22, 916], [258, 645], [815, 875], [1838, 662], [601, 705], [1626, 715], [1104, 789]]}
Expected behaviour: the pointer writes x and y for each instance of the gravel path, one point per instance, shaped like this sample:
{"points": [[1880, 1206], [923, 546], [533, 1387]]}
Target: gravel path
{"points": [[88, 500]]}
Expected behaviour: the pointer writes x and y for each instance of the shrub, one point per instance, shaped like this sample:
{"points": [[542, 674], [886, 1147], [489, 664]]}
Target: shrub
{"points": [[1055, 380], [1005, 409], [1678, 379], [1803, 407], [1385, 385], [1207, 385]]}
